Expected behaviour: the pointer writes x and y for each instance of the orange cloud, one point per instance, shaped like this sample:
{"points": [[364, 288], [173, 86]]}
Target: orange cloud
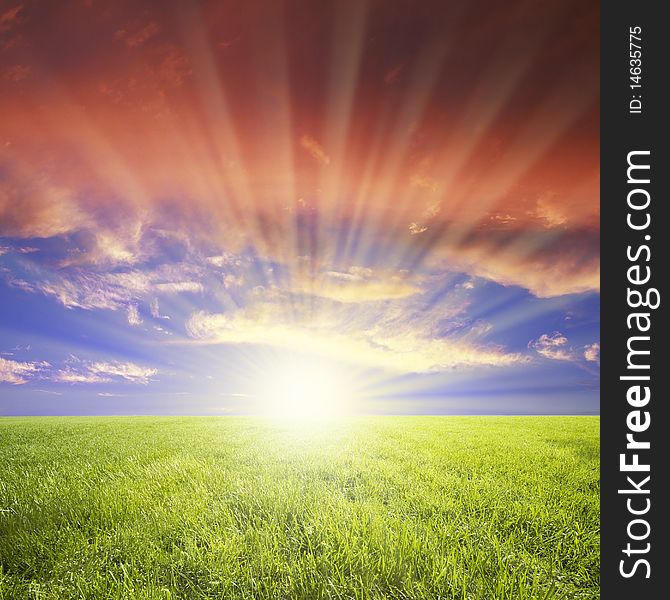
{"points": [[391, 75], [17, 73], [547, 264], [172, 133], [10, 17], [137, 36], [315, 149]]}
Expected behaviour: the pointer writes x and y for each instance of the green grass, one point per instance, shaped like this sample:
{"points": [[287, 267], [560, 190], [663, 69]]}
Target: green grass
{"points": [[388, 507]]}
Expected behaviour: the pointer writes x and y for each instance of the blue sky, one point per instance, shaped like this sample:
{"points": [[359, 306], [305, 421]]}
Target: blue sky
{"points": [[144, 339]]}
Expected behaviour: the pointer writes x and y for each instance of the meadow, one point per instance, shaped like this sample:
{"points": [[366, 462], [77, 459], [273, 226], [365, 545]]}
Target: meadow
{"points": [[242, 508]]}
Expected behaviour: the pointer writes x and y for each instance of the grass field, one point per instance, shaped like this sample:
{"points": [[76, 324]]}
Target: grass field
{"points": [[388, 507]]}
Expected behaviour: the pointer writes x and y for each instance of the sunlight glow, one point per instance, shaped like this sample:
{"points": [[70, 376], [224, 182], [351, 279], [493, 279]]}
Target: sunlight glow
{"points": [[297, 389]]}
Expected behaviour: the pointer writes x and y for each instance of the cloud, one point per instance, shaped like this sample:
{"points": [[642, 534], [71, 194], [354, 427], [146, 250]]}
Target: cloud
{"points": [[225, 260], [176, 287], [391, 76], [162, 139], [32, 206], [74, 371], [357, 284], [17, 250], [134, 315], [125, 370], [147, 138], [415, 229], [89, 290], [555, 339], [592, 352], [133, 36], [548, 263], [550, 211], [116, 248], [504, 219], [18, 73], [229, 42], [155, 310], [18, 373], [426, 183], [69, 375], [389, 346], [314, 149], [10, 17], [552, 346], [231, 281], [79, 371], [172, 69]]}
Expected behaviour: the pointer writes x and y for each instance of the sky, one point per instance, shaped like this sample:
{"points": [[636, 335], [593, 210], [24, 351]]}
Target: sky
{"points": [[399, 199]]}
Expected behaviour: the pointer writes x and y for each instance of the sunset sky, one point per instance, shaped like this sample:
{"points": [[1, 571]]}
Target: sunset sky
{"points": [[194, 194]]}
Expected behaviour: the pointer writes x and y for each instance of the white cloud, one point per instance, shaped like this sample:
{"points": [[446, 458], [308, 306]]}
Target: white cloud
{"points": [[387, 345], [225, 260], [69, 375], [114, 291], [125, 370], [117, 248], [155, 310], [233, 281], [176, 287], [555, 339], [17, 250], [592, 352], [78, 371], [416, 229], [552, 346], [342, 319], [134, 315], [74, 371], [17, 373], [90, 291], [356, 285]]}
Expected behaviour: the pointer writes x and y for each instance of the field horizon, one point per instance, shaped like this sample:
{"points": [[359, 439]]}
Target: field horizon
{"points": [[500, 507], [275, 419]]}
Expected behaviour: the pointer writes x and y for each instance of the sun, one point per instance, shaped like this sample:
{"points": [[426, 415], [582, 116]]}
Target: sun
{"points": [[299, 388]]}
